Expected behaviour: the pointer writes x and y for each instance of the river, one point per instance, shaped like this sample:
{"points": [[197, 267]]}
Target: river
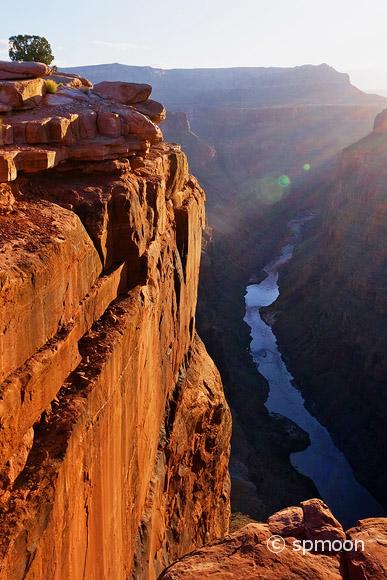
{"points": [[322, 461]]}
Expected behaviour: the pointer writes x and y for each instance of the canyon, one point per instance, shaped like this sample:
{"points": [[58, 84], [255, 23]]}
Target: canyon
{"points": [[337, 348], [115, 430], [244, 129]]}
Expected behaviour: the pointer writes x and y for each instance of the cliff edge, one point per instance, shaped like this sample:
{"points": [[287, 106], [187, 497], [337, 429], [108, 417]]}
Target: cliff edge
{"points": [[115, 432]]}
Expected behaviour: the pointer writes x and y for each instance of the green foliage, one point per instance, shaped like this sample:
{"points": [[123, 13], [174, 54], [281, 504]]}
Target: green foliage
{"points": [[30, 48], [51, 87]]}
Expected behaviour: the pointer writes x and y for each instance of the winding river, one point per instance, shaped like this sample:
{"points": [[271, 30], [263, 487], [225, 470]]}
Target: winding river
{"points": [[322, 461]]}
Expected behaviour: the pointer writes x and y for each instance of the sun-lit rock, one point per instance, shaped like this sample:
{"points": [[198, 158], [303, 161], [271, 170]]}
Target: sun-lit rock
{"points": [[125, 93], [22, 70], [22, 94], [370, 562]]}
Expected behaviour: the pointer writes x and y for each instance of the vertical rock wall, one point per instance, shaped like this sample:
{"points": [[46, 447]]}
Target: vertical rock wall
{"points": [[114, 429]]}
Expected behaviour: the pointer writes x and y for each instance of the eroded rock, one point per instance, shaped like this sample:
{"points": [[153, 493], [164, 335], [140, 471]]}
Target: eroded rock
{"points": [[245, 554], [99, 272], [320, 523], [72, 124], [287, 522], [22, 70], [22, 94], [370, 562], [152, 109], [126, 93]]}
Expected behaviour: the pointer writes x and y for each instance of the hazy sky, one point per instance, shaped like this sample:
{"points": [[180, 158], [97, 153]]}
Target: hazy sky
{"points": [[348, 34]]}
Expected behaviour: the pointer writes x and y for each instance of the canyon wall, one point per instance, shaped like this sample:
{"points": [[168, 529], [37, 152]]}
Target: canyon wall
{"points": [[240, 151], [114, 427], [330, 317]]}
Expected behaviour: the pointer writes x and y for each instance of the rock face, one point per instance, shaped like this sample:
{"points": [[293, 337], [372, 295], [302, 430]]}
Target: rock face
{"points": [[114, 430], [275, 550]]}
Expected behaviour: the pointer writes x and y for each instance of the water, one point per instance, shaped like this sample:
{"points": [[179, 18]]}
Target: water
{"points": [[322, 461]]}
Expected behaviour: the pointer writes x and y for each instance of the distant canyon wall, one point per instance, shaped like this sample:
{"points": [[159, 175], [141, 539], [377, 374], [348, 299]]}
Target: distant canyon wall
{"points": [[331, 314]]}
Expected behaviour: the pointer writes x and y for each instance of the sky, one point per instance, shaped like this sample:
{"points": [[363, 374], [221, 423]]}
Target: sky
{"points": [[350, 35]]}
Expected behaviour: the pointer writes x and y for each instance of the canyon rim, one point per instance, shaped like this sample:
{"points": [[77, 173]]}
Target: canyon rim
{"points": [[192, 302]]}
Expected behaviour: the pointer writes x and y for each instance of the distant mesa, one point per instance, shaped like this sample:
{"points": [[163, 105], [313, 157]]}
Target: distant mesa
{"points": [[247, 87]]}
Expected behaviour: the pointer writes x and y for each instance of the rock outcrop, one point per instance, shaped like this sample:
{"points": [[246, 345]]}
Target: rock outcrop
{"points": [[72, 125], [270, 551], [114, 430]]}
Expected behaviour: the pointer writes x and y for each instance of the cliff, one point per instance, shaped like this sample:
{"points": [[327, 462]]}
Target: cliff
{"points": [[115, 432]]}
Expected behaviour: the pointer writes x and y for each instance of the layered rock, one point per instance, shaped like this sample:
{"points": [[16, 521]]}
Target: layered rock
{"points": [[114, 429], [273, 551], [76, 123], [22, 70]]}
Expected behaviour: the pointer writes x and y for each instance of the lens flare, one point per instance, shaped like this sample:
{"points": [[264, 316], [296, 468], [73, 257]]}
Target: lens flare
{"points": [[307, 167], [284, 181], [268, 190]]}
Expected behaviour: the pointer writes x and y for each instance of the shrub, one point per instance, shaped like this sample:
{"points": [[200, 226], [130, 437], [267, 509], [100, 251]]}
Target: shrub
{"points": [[51, 87]]}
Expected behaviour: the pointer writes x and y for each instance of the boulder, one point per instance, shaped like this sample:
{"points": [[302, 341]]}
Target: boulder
{"points": [[152, 109], [320, 523], [246, 554], [125, 93], [22, 70], [370, 562], [287, 522], [22, 94]]}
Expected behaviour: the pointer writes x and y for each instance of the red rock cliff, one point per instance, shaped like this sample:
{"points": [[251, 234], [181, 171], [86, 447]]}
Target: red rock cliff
{"points": [[115, 432]]}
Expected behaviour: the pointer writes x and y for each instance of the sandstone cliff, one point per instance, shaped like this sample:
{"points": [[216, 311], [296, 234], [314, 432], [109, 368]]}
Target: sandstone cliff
{"points": [[114, 429]]}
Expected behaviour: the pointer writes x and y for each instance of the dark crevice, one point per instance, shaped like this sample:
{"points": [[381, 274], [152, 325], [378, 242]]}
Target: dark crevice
{"points": [[182, 233]]}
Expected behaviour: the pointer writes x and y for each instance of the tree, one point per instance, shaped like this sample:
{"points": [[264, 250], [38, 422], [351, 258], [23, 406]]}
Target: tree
{"points": [[30, 48]]}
